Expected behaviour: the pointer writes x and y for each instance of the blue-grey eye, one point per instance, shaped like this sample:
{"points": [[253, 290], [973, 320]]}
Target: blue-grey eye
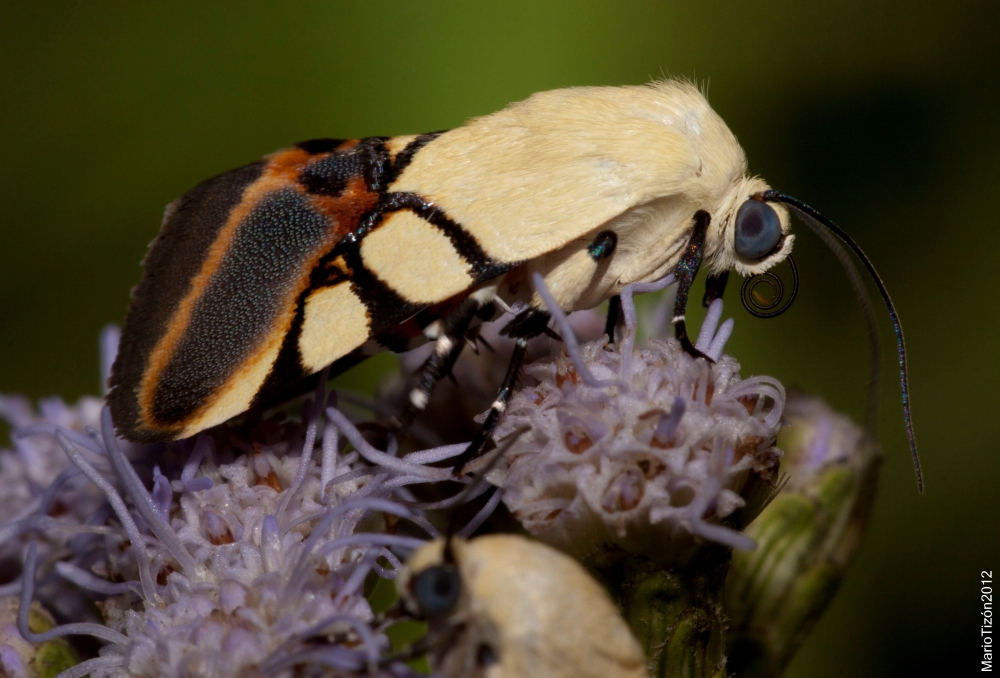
{"points": [[758, 229], [436, 589]]}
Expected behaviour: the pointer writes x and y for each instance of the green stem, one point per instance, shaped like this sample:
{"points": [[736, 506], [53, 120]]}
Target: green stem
{"points": [[676, 613]]}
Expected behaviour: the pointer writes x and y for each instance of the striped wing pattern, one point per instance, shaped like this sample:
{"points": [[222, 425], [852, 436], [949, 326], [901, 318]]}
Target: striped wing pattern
{"points": [[267, 274]]}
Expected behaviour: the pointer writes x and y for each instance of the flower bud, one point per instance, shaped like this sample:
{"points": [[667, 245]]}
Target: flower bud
{"points": [[806, 537]]}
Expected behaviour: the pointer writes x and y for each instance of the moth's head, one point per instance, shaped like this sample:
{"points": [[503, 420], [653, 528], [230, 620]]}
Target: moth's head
{"points": [[504, 605], [433, 587], [753, 235], [431, 584]]}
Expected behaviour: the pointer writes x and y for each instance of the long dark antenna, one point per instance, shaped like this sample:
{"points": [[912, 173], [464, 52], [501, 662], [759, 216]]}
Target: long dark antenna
{"points": [[812, 218]]}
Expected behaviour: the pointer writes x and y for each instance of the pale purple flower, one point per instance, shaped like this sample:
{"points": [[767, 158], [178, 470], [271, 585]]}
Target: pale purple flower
{"points": [[640, 451], [214, 557], [821, 438]]}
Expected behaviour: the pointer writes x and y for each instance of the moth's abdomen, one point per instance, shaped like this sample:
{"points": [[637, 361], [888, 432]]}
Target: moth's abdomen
{"points": [[222, 297]]}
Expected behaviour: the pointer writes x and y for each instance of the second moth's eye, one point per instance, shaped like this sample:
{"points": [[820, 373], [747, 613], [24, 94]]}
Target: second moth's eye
{"points": [[436, 589], [758, 229], [486, 655]]}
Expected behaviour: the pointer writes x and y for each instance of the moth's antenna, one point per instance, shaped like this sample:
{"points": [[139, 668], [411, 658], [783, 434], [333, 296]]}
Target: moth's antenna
{"points": [[817, 222], [481, 472]]}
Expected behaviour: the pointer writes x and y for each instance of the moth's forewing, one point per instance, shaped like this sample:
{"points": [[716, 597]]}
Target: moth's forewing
{"points": [[216, 318]]}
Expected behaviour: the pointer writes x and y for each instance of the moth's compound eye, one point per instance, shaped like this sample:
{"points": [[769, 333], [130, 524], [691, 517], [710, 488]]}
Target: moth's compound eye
{"points": [[758, 229], [436, 589], [486, 655]]}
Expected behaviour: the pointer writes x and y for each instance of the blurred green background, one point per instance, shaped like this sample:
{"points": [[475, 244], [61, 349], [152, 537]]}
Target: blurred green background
{"points": [[881, 114]]}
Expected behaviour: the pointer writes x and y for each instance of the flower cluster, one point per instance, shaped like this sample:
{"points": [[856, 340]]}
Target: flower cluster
{"points": [[247, 554], [641, 451], [42, 491]]}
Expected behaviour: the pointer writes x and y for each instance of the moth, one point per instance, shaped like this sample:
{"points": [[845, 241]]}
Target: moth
{"points": [[502, 605], [322, 254]]}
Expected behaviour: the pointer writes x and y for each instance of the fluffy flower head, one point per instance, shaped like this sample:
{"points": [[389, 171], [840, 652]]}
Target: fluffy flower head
{"points": [[648, 451]]}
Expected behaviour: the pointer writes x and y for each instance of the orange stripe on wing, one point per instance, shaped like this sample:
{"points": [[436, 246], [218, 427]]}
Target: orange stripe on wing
{"points": [[346, 209], [281, 172]]}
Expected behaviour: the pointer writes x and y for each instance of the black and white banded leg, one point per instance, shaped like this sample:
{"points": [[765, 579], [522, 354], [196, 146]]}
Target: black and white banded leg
{"points": [[687, 269], [448, 334], [523, 327]]}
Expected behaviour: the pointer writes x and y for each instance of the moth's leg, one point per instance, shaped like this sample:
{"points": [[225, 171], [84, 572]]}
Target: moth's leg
{"points": [[687, 269], [525, 325], [614, 313], [449, 334], [715, 287], [567, 274]]}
